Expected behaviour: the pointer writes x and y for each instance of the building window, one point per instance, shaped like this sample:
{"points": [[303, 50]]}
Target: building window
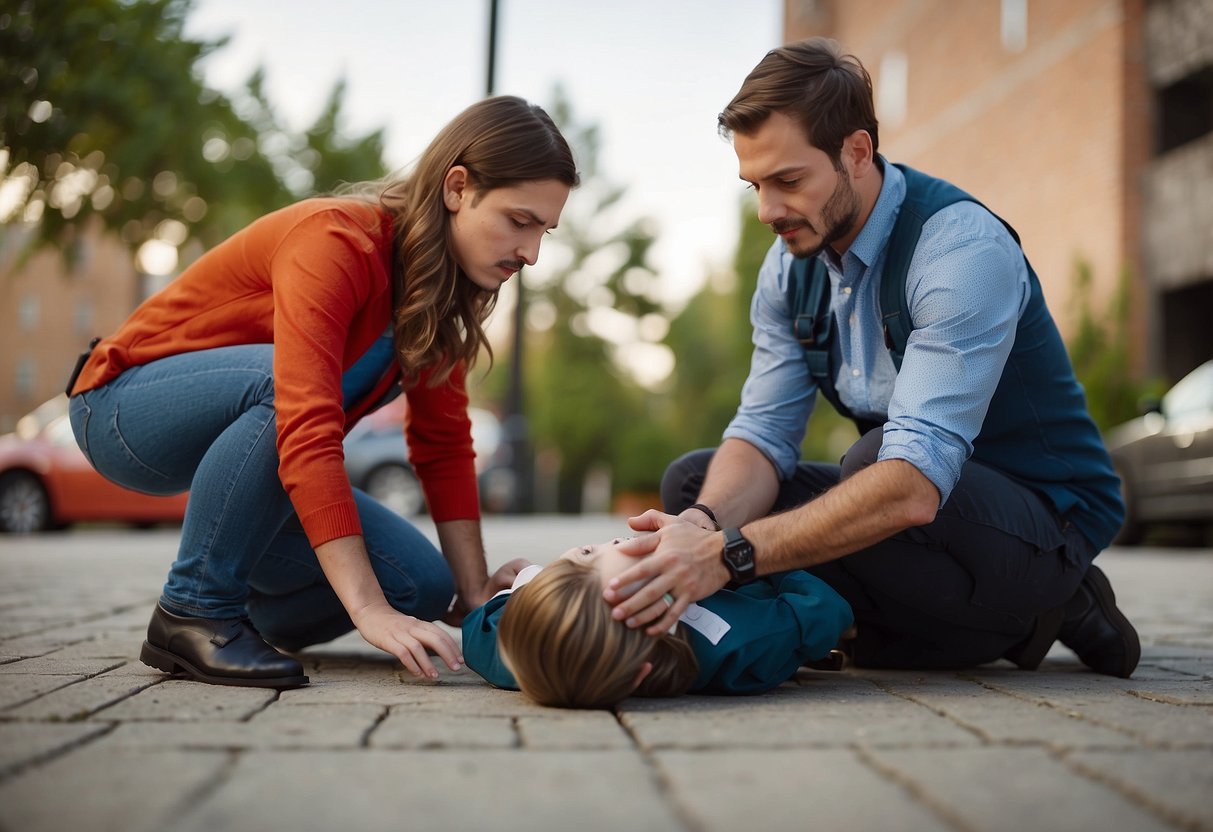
{"points": [[1185, 110], [892, 89], [27, 313], [23, 378], [1014, 25], [82, 317]]}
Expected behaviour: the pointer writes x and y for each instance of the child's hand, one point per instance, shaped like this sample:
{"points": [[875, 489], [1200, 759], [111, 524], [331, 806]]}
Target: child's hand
{"points": [[504, 577]]}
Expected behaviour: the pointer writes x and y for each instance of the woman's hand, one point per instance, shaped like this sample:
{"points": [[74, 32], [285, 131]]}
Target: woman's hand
{"points": [[503, 578], [407, 638]]}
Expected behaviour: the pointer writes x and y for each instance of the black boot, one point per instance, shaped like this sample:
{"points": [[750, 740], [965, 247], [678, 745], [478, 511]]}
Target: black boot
{"points": [[1097, 631], [221, 651]]}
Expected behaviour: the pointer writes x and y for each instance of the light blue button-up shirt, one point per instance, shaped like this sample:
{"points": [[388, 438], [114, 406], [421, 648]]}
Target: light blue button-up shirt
{"points": [[966, 288]]}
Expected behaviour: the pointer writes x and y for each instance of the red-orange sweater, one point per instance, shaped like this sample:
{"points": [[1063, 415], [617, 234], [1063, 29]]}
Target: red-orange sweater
{"points": [[313, 279]]}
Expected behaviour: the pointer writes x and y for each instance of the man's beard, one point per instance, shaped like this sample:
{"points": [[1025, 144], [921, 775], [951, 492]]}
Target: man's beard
{"points": [[838, 215]]}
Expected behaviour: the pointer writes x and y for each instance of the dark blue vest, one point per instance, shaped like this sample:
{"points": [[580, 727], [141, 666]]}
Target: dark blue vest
{"points": [[1037, 429]]}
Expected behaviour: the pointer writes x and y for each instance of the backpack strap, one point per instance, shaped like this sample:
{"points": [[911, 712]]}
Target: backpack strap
{"points": [[813, 323], [809, 303]]}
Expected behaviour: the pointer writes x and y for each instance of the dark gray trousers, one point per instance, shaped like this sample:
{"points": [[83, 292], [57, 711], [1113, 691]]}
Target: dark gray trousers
{"points": [[966, 589]]}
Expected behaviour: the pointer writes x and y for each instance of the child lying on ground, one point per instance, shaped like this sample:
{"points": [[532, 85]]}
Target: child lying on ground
{"points": [[552, 635]]}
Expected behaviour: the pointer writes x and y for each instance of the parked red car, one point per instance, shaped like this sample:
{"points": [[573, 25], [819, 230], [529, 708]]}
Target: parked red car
{"points": [[46, 483]]}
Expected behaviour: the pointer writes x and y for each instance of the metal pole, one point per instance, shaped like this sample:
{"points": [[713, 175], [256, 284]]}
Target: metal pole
{"points": [[490, 84], [515, 423]]}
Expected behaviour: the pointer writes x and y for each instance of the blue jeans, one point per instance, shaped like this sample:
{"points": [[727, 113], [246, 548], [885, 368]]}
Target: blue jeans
{"points": [[205, 421]]}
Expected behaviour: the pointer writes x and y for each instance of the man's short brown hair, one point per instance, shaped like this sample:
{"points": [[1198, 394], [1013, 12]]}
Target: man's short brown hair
{"points": [[812, 82]]}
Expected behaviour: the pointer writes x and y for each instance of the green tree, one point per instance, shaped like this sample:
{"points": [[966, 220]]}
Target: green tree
{"points": [[103, 112], [1099, 350], [582, 400], [711, 338]]}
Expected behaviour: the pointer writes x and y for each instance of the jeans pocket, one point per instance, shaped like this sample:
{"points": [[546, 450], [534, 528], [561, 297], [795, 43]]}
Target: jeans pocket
{"points": [[132, 457], [79, 413]]}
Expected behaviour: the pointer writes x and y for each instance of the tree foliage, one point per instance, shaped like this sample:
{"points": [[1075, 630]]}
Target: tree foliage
{"points": [[1099, 350], [582, 400], [103, 112]]}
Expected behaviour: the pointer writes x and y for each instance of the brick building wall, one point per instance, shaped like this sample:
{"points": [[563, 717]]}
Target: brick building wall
{"points": [[1029, 114], [1087, 124], [51, 303]]}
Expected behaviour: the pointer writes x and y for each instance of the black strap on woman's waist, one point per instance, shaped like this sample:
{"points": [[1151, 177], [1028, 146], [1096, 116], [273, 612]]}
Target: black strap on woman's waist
{"points": [[71, 382]]}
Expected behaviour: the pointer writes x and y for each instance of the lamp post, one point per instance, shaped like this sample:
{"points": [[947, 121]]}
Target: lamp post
{"points": [[515, 423]]}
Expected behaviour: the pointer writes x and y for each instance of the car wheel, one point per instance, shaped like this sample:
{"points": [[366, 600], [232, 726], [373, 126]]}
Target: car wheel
{"points": [[395, 487], [1131, 530], [24, 505]]}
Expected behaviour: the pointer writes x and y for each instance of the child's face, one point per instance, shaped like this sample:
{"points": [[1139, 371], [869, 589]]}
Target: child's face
{"points": [[604, 557]]}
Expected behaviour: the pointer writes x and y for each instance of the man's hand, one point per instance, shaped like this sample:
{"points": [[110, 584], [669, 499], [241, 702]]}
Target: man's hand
{"points": [[407, 638], [683, 561]]}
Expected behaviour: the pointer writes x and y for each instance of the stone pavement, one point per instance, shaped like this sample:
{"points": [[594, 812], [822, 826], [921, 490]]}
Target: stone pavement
{"points": [[91, 739]]}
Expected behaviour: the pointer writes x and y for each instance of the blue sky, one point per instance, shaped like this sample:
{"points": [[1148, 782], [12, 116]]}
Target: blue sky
{"points": [[652, 74]]}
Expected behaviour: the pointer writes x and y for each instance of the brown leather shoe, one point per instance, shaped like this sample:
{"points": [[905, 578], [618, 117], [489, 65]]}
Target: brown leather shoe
{"points": [[219, 651]]}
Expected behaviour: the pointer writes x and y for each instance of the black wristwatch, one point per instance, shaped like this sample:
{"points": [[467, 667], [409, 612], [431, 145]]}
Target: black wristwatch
{"points": [[738, 557]]}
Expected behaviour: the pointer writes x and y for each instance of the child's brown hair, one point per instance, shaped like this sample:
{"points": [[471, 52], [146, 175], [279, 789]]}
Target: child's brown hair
{"points": [[558, 638]]}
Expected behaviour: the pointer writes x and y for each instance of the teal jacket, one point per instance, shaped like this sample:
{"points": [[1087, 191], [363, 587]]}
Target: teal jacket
{"points": [[776, 624]]}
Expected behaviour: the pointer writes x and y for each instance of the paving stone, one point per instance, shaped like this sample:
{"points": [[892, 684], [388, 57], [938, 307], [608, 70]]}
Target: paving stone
{"points": [[1201, 667], [478, 699], [15, 688], [573, 730], [997, 717], [106, 789], [84, 698], [25, 742], [179, 700], [1177, 784], [366, 742], [278, 727], [1013, 789], [796, 720], [408, 727], [1146, 719], [107, 644], [53, 664], [437, 790], [1194, 692], [822, 789], [374, 686]]}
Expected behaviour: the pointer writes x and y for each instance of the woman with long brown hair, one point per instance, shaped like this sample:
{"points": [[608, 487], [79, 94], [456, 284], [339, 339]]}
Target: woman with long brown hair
{"points": [[239, 380]]}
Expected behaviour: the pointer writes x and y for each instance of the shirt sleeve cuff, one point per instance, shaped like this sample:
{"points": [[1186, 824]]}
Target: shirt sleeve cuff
{"points": [[784, 461], [929, 462]]}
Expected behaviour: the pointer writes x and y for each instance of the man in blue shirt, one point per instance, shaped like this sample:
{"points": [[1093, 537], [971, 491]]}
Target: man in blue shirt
{"points": [[962, 526]]}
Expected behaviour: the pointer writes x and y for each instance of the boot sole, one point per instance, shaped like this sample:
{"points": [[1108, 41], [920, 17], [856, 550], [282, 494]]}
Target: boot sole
{"points": [[1106, 598], [171, 663]]}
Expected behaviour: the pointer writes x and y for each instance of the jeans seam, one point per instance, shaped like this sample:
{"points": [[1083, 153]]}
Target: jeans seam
{"points": [[229, 487], [226, 371], [129, 451], [86, 414]]}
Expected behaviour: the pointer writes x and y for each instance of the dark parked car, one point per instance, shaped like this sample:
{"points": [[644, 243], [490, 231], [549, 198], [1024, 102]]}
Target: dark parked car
{"points": [[376, 459], [1165, 458]]}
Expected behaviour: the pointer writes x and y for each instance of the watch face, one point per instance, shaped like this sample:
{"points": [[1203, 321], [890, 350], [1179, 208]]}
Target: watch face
{"points": [[738, 552]]}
